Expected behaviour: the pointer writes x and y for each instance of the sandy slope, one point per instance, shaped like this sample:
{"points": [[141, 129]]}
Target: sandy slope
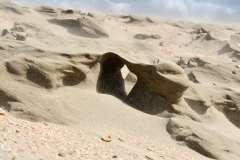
{"points": [[168, 89]]}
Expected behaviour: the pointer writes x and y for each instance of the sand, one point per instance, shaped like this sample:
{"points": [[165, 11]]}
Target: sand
{"points": [[161, 89]]}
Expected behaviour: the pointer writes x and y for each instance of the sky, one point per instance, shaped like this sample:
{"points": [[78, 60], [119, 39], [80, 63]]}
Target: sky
{"points": [[209, 11]]}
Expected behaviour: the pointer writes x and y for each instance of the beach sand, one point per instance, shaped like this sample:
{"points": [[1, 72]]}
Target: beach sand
{"points": [[160, 89]]}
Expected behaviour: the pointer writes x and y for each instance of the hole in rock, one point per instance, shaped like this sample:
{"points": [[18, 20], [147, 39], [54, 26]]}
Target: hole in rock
{"points": [[115, 78], [130, 79]]}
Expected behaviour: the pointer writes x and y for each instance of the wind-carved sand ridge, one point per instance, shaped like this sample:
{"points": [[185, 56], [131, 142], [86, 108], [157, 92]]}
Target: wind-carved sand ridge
{"points": [[159, 89]]}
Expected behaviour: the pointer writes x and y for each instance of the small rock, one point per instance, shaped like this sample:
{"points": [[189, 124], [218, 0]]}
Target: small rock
{"points": [[2, 112], [90, 14], [214, 84], [155, 36], [69, 11], [61, 154], [149, 158], [21, 37], [17, 130], [107, 138], [198, 36], [234, 72], [238, 66], [5, 32], [121, 139], [114, 156], [160, 43]]}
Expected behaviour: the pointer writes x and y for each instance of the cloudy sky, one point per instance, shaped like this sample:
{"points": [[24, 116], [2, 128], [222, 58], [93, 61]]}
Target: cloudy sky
{"points": [[213, 11]]}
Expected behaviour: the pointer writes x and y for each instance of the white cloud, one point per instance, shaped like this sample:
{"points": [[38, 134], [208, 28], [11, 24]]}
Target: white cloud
{"points": [[121, 7], [225, 11]]}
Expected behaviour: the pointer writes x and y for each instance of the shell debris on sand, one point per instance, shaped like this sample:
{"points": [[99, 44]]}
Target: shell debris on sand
{"points": [[35, 138], [54, 141]]}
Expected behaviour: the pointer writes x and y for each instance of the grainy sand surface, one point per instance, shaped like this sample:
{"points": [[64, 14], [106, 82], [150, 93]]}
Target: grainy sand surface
{"points": [[22, 139]]}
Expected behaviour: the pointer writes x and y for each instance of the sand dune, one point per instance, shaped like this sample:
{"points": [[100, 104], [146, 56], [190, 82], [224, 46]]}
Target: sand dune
{"points": [[161, 89], [84, 27]]}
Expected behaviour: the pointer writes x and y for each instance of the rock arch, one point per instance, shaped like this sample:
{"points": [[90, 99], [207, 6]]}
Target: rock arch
{"points": [[158, 90]]}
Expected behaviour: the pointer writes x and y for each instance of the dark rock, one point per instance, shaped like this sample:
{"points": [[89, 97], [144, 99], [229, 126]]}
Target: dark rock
{"points": [[5, 32], [69, 11], [160, 43], [21, 37], [61, 154], [203, 30], [147, 36]]}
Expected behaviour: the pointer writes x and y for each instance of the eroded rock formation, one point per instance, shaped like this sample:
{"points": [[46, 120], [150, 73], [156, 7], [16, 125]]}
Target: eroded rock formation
{"points": [[159, 88]]}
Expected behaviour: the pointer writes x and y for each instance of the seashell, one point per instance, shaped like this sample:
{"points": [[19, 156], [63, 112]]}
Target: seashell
{"points": [[107, 138]]}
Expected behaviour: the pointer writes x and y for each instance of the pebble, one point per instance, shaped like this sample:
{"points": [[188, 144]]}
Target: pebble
{"points": [[61, 154], [5, 32], [149, 158], [121, 139], [2, 112], [21, 37], [234, 72]]}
